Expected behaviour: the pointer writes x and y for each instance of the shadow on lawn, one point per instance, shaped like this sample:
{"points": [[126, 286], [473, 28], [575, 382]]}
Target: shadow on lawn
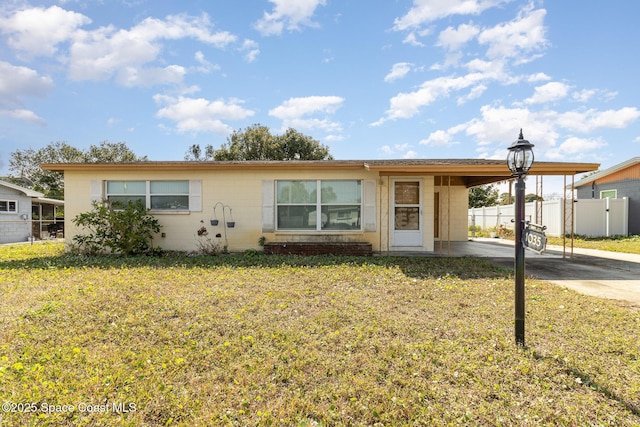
{"points": [[587, 381], [414, 266]]}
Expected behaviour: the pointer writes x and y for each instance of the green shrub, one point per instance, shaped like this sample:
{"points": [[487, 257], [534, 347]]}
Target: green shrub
{"points": [[117, 228]]}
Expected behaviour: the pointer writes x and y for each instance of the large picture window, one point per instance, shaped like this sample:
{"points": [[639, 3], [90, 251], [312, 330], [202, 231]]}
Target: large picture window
{"points": [[155, 195], [337, 206]]}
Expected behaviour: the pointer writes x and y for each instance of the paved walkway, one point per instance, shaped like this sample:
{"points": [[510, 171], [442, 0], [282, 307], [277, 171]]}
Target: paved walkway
{"points": [[603, 274]]}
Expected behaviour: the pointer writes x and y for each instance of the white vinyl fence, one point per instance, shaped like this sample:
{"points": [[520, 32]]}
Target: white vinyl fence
{"points": [[591, 217]]}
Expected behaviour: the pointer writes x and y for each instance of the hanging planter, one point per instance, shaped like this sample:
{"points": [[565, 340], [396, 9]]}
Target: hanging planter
{"points": [[231, 223], [215, 221]]}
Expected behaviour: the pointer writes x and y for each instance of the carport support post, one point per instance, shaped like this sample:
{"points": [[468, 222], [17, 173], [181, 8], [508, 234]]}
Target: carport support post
{"points": [[519, 261]]}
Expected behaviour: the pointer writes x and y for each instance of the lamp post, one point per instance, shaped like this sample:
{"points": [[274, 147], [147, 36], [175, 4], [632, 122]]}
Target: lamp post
{"points": [[519, 160]]}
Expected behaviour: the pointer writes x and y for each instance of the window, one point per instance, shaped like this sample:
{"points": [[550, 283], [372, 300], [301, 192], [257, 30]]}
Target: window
{"points": [[156, 195], [9, 206], [127, 191], [337, 206], [608, 194], [170, 195]]}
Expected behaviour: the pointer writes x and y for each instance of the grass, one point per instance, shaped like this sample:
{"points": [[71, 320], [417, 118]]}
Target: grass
{"points": [[630, 245], [254, 340]]}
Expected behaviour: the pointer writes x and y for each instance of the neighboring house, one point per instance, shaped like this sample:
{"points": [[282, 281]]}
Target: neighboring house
{"points": [[393, 205], [616, 182], [18, 207]]}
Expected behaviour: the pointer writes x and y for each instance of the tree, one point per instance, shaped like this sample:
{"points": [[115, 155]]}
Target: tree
{"points": [[484, 195], [25, 170], [257, 143], [295, 146], [506, 199], [532, 198], [194, 153]]}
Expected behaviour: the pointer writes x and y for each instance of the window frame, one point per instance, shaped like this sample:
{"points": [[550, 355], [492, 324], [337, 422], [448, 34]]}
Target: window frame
{"points": [[147, 196], [321, 218], [8, 210], [614, 191]]}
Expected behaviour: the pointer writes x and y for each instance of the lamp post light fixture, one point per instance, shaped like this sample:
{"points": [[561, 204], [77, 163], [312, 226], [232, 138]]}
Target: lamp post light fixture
{"points": [[519, 160]]}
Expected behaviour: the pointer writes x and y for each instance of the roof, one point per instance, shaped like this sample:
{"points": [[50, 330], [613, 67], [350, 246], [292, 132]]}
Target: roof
{"points": [[47, 201], [598, 175], [471, 172], [26, 191]]}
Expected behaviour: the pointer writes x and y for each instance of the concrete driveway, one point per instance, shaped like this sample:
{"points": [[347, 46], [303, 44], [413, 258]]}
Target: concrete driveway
{"points": [[602, 274]]}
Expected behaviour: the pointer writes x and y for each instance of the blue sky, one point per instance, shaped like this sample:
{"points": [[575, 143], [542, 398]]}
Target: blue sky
{"points": [[372, 80]]}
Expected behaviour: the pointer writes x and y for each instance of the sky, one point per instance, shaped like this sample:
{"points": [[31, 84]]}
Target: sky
{"points": [[381, 79]]}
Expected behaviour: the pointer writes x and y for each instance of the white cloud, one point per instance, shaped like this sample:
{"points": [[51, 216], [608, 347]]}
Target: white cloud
{"points": [[38, 31], [517, 38], [427, 11], [132, 56], [475, 93], [586, 95], [251, 48], [538, 77], [99, 54], [403, 151], [16, 83], [199, 114], [294, 113], [412, 40], [205, 66], [500, 125], [575, 148], [454, 38], [407, 105], [552, 91], [151, 76], [289, 15], [592, 119], [294, 108], [398, 71], [437, 138], [24, 115]]}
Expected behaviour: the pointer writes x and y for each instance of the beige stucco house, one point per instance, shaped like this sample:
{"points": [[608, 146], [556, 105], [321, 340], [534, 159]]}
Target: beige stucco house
{"points": [[395, 205]]}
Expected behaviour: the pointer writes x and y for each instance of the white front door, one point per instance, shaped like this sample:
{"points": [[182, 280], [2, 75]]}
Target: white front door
{"points": [[406, 213]]}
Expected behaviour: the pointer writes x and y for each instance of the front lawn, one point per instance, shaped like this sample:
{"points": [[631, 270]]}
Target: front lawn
{"points": [[254, 340]]}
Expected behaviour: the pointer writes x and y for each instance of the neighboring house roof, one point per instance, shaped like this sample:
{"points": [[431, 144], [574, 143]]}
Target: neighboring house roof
{"points": [[601, 174], [47, 201], [468, 172], [26, 191]]}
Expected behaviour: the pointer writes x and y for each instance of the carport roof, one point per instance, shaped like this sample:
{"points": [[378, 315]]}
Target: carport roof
{"points": [[467, 172]]}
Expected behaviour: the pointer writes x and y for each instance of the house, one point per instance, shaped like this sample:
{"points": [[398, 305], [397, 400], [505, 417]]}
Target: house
{"points": [[616, 182], [25, 213], [391, 205]]}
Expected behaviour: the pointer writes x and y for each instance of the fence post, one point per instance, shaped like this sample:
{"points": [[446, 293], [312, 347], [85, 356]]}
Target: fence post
{"points": [[607, 217], [473, 224]]}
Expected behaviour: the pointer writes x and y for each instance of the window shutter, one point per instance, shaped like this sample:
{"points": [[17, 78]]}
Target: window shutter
{"points": [[195, 195], [268, 207], [369, 213], [96, 191]]}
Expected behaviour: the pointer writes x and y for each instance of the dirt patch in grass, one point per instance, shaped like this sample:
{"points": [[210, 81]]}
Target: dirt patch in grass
{"points": [[253, 340]]}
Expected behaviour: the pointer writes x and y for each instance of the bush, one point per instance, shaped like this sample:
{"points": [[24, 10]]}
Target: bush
{"points": [[117, 228]]}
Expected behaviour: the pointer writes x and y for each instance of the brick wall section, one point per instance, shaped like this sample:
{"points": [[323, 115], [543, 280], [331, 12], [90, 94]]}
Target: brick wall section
{"points": [[318, 248]]}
